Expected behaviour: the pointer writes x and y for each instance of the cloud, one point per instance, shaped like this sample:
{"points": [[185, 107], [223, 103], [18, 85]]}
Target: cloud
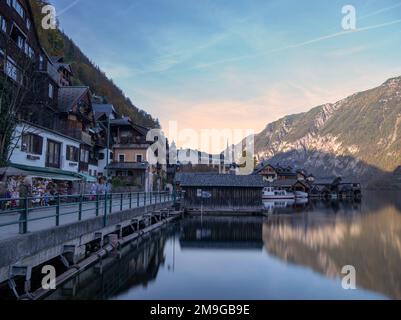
{"points": [[298, 45]]}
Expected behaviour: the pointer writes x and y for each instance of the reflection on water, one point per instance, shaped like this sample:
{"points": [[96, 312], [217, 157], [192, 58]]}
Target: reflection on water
{"points": [[295, 253]]}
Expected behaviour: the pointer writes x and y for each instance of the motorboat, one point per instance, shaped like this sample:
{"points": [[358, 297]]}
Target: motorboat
{"points": [[270, 193]]}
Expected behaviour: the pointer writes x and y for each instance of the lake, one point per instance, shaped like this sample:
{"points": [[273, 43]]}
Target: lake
{"points": [[296, 252]]}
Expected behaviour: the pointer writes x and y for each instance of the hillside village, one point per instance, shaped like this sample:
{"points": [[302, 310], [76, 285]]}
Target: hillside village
{"points": [[59, 134]]}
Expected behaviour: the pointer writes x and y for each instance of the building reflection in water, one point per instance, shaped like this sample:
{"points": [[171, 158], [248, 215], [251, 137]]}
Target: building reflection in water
{"points": [[136, 264], [367, 236]]}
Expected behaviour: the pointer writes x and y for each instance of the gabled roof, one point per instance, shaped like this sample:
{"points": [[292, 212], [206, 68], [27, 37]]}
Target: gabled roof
{"points": [[126, 121], [58, 62], [262, 166], [69, 96], [103, 109], [289, 183], [189, 179]]}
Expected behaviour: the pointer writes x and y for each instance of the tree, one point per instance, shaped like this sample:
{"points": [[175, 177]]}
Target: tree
{"points": [[19, 85]]}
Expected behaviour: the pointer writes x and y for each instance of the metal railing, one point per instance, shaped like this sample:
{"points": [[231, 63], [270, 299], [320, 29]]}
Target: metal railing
{"points": [[22, 215]]}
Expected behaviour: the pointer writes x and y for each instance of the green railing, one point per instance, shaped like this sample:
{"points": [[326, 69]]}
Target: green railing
{"points": [[24, 215]]}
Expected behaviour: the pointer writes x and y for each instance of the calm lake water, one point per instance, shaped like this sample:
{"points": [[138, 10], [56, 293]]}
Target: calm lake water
{"points": [[297, 252]]}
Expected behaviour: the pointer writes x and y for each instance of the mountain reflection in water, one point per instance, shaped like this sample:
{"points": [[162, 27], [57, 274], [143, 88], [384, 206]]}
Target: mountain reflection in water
{"points": [[297, 252]]}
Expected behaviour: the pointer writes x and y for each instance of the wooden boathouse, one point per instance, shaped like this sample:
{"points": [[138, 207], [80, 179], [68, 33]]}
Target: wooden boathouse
{"points": [[219, 193]]}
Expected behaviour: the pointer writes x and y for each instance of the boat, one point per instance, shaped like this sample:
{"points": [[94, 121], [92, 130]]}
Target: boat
{"points": [[270, 193]]}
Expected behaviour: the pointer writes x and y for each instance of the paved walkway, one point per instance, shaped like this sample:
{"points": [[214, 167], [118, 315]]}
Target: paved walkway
{"points": [[42, 218]]}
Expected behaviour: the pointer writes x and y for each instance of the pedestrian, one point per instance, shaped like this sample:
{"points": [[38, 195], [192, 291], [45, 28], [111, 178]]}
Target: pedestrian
{"points": [[25, 189], [93, 191]]}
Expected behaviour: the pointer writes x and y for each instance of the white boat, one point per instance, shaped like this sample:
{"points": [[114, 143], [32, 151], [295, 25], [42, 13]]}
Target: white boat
{"points": [[301, 195], [270, 193]]}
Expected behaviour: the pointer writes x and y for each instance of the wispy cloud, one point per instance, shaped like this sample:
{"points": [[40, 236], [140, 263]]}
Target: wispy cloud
{"points": [[380, 11], [70, 6], [298, 45]]}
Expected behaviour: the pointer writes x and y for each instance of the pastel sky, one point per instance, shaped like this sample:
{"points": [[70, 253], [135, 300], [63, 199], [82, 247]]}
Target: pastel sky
{"points": [[216, 64]]}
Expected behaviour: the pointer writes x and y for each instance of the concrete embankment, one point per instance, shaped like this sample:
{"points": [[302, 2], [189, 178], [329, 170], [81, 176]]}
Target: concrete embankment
{"points": [[24, 252]]}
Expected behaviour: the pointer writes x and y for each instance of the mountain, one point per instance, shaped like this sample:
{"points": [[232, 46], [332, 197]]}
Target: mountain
{"points": [[358, 137], [57, 43]]}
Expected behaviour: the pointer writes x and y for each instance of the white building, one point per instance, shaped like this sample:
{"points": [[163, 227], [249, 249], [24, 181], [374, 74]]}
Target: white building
{"points": [[43, 148]]}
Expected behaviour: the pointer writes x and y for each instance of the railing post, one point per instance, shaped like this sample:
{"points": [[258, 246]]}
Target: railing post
{"points": [[97, 205], [121, 202], [105, 210], [81, 199], [23, 226], [137, 199], [58, 211], [130, 200]]}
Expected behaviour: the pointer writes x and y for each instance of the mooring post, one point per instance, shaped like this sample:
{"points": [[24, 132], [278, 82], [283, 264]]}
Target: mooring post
{"points": [[80, 207], [58, 211], [144, 197], [97, 205], [23, 226], [137, 200], [105, 211], [111, 203], [121, 202], [130, 200]]}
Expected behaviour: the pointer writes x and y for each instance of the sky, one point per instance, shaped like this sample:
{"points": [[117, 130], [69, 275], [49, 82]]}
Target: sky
{"points": [[238, 65]]}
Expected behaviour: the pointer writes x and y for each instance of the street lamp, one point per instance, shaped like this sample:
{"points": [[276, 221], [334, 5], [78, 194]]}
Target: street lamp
{"points": [[108, 143]]}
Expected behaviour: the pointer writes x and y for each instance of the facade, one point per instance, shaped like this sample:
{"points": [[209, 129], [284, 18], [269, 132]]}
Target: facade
{"points": [[223, 190], [52, 139], [129, 163]]}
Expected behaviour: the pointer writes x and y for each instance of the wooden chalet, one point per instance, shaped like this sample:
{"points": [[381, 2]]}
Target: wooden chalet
{"points": [[292, 185]]}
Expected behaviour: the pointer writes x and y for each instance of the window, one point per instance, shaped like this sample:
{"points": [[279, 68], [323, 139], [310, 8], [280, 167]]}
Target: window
{"points": [[29, 51], [3, 24], [41, 63], [18, 37], [32, 143], [51, 91], [121, 158], [84, 155], [138, 158], [101, 156], [20, 10], [13, 71], [53, 154], [72, 153]]}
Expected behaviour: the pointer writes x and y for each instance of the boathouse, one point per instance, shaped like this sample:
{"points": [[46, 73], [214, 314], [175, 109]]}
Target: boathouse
{"points": [[224, 191], [292, 185]]}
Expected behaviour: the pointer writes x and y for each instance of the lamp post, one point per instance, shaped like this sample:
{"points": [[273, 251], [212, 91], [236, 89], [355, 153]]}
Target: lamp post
{"points": [[108, 144]]}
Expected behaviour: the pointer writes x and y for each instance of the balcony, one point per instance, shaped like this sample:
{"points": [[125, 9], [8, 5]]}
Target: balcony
{"points": [[77, 134]]}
